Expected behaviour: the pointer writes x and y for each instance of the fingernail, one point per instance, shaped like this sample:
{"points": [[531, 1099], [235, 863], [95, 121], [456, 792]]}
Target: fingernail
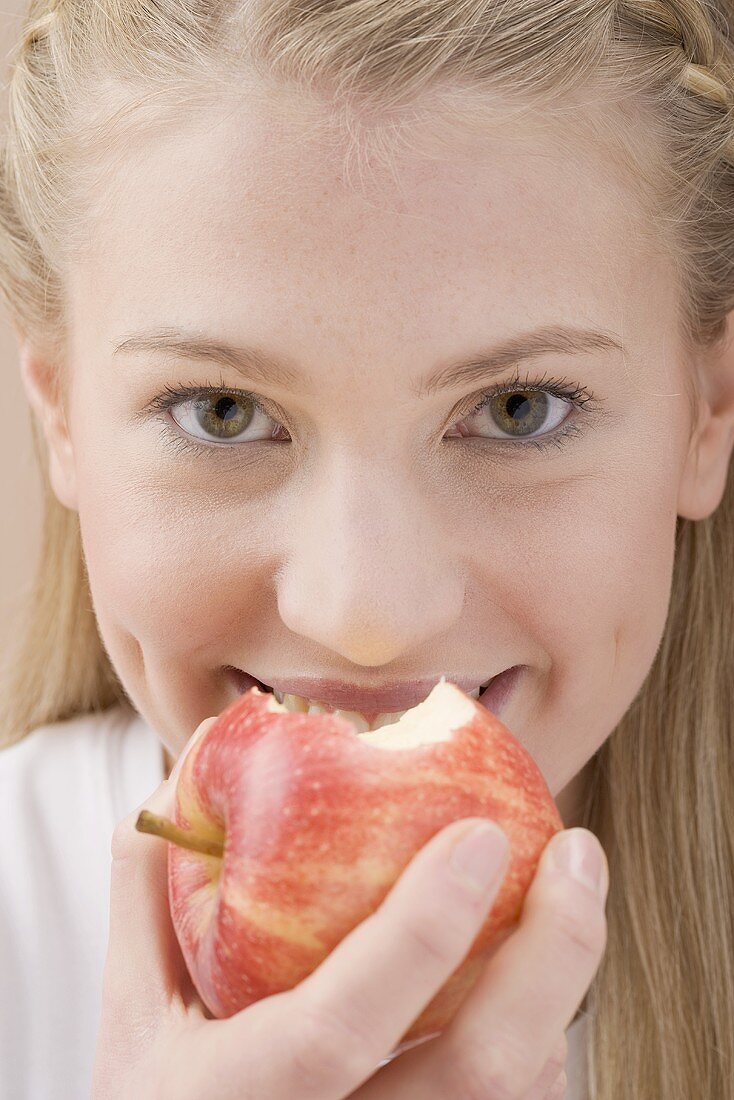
{"points": [[579, 855], [477, 857]]}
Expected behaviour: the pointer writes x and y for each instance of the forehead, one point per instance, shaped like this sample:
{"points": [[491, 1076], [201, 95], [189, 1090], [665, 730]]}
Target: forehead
{"points": [[268, 218]]}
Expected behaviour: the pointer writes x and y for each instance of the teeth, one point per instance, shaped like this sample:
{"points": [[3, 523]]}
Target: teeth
{"points": [[299, 705], [292, 702]]}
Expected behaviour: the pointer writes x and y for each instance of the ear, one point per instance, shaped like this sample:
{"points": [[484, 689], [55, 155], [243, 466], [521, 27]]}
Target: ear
{"points": [[704, 479], [38, 375]]}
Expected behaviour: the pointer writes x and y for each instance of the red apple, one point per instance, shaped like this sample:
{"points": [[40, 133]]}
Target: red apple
{"points": [[303, 826]]}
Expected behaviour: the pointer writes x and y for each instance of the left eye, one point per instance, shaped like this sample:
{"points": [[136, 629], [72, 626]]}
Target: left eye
{"points": [[224, 416]]}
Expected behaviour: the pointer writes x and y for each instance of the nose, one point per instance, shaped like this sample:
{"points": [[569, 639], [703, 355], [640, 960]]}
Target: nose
{"points": [[370, 570]]}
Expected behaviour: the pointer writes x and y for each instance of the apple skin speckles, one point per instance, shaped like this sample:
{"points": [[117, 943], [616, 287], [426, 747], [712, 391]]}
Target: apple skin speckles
{"points": [[318, 825]]}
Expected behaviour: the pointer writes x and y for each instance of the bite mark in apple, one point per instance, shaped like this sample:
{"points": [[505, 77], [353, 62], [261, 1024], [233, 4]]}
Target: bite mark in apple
{"points": [[435, 719], [318, 824]]}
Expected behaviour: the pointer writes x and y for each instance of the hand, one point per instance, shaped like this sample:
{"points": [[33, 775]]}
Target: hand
{"points": [[507, 1042], [325, 1039]]}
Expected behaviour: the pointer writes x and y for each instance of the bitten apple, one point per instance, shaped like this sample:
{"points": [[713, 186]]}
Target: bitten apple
{"points": [[290, 829]]}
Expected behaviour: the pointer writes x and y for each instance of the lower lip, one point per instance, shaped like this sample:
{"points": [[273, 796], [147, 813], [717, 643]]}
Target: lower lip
{"points": [[495, 697]]}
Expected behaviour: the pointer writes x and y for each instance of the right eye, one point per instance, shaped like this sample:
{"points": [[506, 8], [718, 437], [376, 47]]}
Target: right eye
{"points": [[222, 415]]}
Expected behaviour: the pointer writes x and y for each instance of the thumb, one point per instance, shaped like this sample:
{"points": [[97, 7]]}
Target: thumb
{"points": [[144, 966]]}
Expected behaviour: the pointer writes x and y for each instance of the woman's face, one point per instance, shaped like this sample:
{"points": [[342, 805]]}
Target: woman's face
{"points": [[363, 526]]}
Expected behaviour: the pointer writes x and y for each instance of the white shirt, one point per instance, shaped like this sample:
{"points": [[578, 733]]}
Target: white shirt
{"points": [[63, 788]]}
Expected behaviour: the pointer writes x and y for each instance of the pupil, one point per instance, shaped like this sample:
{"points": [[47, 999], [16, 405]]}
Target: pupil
{"points": [[229, 406], [515, 402]]}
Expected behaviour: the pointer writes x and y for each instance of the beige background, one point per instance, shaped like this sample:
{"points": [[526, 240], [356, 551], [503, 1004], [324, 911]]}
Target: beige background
{"points": [[19, 484]]}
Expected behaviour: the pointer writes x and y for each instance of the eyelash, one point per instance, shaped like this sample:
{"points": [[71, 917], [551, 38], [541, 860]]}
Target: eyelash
{"points": [[578, 396]]}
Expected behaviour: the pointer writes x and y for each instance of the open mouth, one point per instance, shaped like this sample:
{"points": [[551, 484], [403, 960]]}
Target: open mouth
{"points": [[493, 695]]}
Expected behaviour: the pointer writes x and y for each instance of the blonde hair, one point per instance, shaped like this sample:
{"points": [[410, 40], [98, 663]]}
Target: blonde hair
{"points": [[662, 798]]}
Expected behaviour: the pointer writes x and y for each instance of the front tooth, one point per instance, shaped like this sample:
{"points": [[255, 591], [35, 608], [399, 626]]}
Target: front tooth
{"points": [[295, 703], [358, 720], [317, 708], [299, 705]]}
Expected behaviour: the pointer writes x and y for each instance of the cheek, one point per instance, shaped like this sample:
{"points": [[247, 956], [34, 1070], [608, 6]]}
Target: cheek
{"points": [[607, 585], [592, 591], [175, 572], [586, 577]]}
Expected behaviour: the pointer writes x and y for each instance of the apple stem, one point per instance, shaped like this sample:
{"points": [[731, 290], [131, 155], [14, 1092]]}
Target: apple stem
{"points": [[163, 827]]}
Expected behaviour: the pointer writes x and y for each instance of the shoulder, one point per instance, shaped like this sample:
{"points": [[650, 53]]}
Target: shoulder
{"points": [[63, 788], [78, 732], [108, 756]]}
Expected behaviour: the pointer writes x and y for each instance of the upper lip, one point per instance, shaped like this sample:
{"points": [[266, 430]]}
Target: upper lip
{"points": [[368, 701]]}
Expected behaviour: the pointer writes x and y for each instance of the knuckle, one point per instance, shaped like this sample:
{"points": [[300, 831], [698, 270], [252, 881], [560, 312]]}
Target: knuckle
{"points": [[553, 1071], [577, 919], [497, 1069], [438, 935], [559, 1057], [331, 1049], [558, 1089], [486, 1070]]}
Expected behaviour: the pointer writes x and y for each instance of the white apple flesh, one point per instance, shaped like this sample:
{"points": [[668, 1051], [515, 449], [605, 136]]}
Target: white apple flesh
{"points": [[290, 829]]}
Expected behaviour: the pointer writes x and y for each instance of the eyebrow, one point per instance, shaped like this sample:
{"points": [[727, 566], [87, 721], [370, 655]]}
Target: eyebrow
{"points": [[256, 365]]}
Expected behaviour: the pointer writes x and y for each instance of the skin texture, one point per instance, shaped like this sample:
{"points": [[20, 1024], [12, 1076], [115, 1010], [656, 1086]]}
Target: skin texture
{"points": [[371, 542]]}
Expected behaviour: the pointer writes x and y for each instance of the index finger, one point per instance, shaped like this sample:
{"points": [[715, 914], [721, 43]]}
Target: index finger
{"points": [[509, 1025], [140, 969]]}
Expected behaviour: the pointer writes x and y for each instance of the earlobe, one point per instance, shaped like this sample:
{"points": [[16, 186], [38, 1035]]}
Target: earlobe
{"points": [[39, 383], [707, 467]]}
